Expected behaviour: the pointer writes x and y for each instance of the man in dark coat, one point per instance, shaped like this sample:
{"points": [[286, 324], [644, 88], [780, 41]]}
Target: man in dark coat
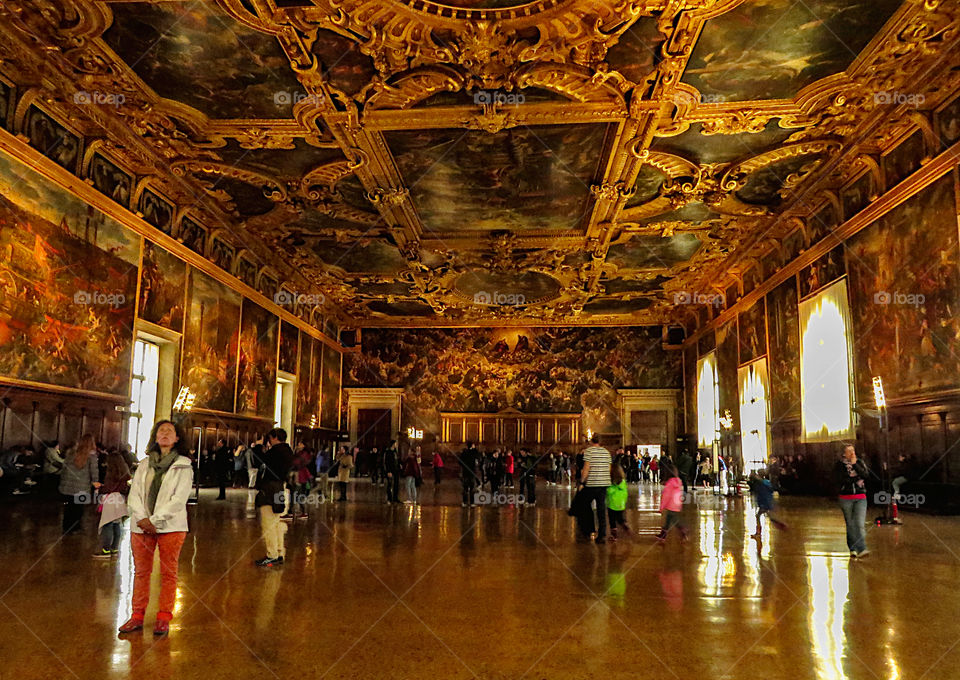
{"points": [[391, 468], [469, 458], [275, 464]]}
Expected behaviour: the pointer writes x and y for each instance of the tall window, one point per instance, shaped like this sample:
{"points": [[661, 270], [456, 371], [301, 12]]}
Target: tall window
{"points": [[825, 366], [754, 414], [708, 401], [143, 395]]}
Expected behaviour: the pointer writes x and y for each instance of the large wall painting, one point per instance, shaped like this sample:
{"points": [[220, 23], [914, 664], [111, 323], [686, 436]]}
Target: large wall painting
{"points": [[904, 287], [289, 346], [68, 286], [210, 342], [257, 386], [547, 370], [783, 322], [330, 389], [163, 281]]}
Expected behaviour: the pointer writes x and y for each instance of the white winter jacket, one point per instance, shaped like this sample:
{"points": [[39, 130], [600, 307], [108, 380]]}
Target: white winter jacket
{"points": [[170, 513]]}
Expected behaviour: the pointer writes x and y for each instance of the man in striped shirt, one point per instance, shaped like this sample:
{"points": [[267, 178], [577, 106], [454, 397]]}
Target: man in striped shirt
{"points": [[594, 481]]}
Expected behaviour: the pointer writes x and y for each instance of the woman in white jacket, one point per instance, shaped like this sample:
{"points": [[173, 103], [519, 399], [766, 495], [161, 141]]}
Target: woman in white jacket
{"points": [[158, 520]]}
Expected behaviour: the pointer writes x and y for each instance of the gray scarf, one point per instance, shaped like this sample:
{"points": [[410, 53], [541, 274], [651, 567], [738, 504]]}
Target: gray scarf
{"points": [[160, 464]]}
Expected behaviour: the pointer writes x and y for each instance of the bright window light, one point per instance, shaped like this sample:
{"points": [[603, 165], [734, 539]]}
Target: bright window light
{"points": [[754, 414], [143, 396], [708, 401], [825, 366]]}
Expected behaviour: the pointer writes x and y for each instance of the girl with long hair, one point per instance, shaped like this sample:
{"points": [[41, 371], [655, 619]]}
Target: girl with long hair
{"points": [[113, 504], [158, 521]]}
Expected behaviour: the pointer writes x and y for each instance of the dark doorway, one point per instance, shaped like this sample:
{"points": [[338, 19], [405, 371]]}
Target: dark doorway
{"points": [[373, 428]]}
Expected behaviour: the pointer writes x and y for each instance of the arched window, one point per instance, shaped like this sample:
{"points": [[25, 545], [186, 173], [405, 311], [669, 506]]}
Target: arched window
{"points": [[754, 414]]}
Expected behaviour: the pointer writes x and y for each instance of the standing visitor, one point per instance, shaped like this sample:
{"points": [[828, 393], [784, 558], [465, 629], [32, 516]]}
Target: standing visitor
{"points": [[376, 466], [391, 466], [617, 502], [113, 504], [469, 459], [671, 503], [412, 475], [851, 476], [508, 468], [594, 481], [495, 473], [346, 463], [528, 478], [276, 461], [437, 467], [654, 469], [684, 468], [158, 521], [78, 476], [223, 466]]}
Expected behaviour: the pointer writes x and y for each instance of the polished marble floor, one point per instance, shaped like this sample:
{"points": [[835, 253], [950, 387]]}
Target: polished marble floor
{"points": [[437, 591]]}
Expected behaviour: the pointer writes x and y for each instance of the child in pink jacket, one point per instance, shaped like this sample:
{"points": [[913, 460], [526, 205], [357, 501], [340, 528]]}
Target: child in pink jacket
{"points": [[671, 502]]}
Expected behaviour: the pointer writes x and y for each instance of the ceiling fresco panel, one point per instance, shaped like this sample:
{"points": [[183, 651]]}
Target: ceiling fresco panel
{"points": [[519, 179], [193, 53], [771, 49]]}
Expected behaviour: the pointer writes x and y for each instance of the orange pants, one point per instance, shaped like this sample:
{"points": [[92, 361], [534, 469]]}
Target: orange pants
{"points": [[143, 546]]}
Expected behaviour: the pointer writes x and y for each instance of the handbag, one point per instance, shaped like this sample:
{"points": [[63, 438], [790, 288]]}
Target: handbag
{"points": [[334, 469]]}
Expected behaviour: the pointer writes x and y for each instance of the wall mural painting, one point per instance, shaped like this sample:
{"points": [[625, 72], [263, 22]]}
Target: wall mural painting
{"points": [[303, 379], [163, 282], [156, 211], [706, 343], [222, 254], [68, 286], [193, 236], [268, 286], [904, 159], [330, 390], [110, 180], [519, 179], [752, 332], [904, 290], [784, 326], [210, 342], [247, 271], [948, 124], [289, 347], [826, 270], [727, 358], [753, 278], [856, 196], [257, 378], [342, 63], [52, 139], [546, 370], [821, 223], [738, 57], [196, 54], [313, 396], [635, 53]]}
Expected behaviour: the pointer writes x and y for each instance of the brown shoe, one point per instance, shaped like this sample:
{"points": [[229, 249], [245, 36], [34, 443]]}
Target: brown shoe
{"points": [[132, 625]]}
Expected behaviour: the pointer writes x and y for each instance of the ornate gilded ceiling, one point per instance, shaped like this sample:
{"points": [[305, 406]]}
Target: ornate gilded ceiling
{"points": [[481, 162]]}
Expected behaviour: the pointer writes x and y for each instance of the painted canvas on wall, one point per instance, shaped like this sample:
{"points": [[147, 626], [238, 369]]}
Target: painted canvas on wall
{"points": [[52, 139], [752, 332], [289, 346], [68, 284], [824, 271], [904, 286], [163, 281], [110, 180], [783, 322], [257, 378], [303, 379], [156, 211], [210, 342], [547, 370], [330, 389]]}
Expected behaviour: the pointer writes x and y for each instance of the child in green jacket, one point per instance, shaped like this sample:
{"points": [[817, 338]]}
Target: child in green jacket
{"points": [[617, 502]]}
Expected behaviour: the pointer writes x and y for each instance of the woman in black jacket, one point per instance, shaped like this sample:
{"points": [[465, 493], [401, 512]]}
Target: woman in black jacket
{"points": [[851, 477]]}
